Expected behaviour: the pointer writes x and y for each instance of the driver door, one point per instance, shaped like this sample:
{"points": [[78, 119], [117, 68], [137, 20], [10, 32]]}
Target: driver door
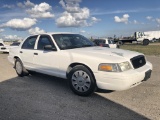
{"points": [[46, 61]]}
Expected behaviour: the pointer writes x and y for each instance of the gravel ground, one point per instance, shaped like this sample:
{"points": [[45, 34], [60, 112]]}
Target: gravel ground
{"points": [[41, 97]]}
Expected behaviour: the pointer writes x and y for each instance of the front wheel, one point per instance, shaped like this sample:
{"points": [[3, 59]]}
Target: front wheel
{"points": [[82, 81], [20, 70]]}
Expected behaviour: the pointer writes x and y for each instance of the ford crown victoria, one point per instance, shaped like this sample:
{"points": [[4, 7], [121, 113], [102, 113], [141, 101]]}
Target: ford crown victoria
{"points": [[74, 57]]}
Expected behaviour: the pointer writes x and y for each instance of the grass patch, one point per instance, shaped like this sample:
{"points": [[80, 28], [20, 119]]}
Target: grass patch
{"points": [[147, 50]]}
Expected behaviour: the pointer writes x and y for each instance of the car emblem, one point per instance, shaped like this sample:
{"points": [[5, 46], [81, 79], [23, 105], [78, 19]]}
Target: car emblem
{"points": [[140, 61]]}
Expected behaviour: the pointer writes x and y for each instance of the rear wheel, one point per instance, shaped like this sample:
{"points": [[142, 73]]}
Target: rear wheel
{"points": [[81, 81], [20, 70], [145, 42], [120, 43]]}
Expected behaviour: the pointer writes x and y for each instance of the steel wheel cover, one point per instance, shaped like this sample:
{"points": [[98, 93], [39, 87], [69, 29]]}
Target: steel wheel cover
{"points": [[81, 81], [18, 67]]}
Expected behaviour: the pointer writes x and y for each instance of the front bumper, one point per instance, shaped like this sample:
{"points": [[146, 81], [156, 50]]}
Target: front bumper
{"points": [[123, 80]]}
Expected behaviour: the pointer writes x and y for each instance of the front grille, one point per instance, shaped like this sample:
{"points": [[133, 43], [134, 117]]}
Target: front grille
{"points": [[138, 61]]}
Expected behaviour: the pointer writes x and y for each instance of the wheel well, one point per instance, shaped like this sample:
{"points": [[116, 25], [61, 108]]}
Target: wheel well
{"points": [[15, 57], [75, 64]]}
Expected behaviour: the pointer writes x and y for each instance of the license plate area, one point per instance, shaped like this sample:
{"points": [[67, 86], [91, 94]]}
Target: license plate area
{"points": [[147, 75]]}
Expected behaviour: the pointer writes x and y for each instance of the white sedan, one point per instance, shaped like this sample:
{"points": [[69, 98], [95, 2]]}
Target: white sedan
{"points": [[3, 47], [104, 42], [74, 57]]}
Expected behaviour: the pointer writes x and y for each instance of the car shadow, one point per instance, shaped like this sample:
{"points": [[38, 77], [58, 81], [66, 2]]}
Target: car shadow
{"points": [[42, 97]]}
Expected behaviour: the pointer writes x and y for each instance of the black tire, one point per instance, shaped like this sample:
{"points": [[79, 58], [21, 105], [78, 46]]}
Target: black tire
{"points": [[81, 81], [120, 43], [20, 70], [145, 42]]}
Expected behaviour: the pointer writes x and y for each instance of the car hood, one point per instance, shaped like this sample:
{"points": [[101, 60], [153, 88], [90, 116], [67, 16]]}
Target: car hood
{"points": [[105, 53]]}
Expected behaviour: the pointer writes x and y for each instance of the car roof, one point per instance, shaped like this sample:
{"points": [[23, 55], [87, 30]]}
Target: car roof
{"points": [[51, 33]]}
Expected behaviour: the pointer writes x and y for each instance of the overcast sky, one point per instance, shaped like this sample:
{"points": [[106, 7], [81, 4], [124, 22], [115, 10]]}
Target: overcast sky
{"points": [[97, 18]]}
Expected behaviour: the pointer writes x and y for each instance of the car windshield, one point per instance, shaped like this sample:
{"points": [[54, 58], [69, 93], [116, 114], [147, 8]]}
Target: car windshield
{"points": [[71, 41]]}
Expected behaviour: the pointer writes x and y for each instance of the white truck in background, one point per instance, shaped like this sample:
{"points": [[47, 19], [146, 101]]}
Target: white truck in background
{"points": [[139, 37], [154, 35]]}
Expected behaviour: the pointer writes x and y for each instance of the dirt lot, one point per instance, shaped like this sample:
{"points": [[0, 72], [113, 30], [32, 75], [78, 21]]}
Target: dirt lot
{"points": [[41, 97]]}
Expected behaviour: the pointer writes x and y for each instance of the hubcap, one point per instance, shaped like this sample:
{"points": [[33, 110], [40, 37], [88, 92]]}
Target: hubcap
{"points": [[81, 81], [18, 67]]}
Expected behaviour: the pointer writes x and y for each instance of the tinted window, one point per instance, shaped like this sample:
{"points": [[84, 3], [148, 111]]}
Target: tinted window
{"points": [[99, 41], [29, 43], [44, 40], [96, 42], [103, 41], [1, 44], [15, 44]]}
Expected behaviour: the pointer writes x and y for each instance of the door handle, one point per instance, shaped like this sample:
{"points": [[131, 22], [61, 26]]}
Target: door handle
{"points": [[21, 52], [35, 53]]}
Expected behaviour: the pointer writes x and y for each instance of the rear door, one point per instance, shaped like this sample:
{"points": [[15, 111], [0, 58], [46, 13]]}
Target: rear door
{"points": [[27, 52], [46, 61]]}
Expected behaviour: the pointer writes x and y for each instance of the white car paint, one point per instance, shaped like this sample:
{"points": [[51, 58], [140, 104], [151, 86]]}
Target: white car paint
{"points": [[56, 63]]}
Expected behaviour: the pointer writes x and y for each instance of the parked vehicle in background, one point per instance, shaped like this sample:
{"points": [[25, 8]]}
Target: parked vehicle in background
{"points": [[3, 47], [154, 35], [86, 66], [15, 44], [139, 37], [104, 42]]}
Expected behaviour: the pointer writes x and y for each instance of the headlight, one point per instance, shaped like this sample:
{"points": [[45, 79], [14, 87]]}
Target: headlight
{"points": [[109, 67], [114, 67], [124, 66]]}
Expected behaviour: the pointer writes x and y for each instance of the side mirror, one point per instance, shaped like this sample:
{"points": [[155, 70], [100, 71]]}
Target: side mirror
{"points": [[49, 47]]}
